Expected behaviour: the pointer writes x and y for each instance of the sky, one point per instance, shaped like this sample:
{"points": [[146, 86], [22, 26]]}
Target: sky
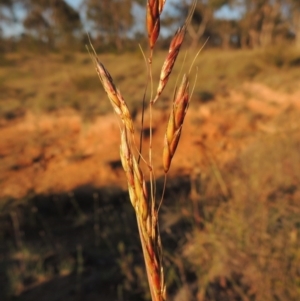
{"points": [[74, 3]]}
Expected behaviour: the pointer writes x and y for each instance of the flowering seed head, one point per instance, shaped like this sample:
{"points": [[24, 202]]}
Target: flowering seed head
{"points": [[181, 102], [170, 60], [141, 191], [108, 84], [126, 160], [124, 147], [153, 21], [132, 196], [166, 155], [161, 4], [114, 95], [175, 123], [178, 38]]}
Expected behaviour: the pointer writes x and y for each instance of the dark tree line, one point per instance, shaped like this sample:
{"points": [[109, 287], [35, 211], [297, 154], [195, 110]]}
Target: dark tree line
{"points": [[262, 22], [112, 23]]}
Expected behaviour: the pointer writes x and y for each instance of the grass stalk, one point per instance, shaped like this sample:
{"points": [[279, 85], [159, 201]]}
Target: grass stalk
{"points": [[144, 203]]}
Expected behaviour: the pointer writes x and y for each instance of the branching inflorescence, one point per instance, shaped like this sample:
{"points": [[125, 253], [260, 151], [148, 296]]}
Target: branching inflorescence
{"points": [[145, 205]]}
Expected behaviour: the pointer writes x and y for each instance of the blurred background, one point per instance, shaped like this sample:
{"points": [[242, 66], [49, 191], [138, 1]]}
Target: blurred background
{"points": [[230, 221]]}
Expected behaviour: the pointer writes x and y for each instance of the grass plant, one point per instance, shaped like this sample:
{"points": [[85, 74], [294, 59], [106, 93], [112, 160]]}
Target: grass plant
{"points": [[249, 245], [143, 198]]}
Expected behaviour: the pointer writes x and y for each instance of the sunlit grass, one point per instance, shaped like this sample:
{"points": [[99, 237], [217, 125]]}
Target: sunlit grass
{"points": [[54, 81]]}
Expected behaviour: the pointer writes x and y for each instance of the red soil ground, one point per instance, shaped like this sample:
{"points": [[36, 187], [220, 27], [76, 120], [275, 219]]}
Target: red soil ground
{"points": [[59, 152]]}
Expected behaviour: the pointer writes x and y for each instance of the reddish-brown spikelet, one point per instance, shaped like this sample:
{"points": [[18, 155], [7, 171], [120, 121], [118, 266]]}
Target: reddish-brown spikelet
{"points": [[170, 60], [169, 149], [173, 132], [181, 102], [108, 86], [153, 21], [161, 4], [114, 95]]}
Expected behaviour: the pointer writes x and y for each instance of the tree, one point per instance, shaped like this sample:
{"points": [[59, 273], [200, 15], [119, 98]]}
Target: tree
{"points": [[50, 20], [260, 23], [225, 30], [203, 16], [8, 19], [38, 26], [67, 21], [7, 14], [111, 19], [294, 16], [7, 5]]}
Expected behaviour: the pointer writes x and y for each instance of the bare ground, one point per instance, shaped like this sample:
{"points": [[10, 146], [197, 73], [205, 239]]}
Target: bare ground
{"points": [[58, 152]]}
